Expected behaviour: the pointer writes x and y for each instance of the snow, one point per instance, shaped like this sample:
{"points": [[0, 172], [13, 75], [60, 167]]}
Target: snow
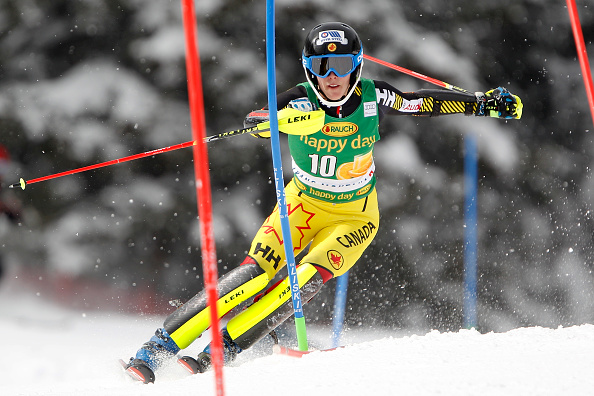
{"points": [[51, 350]]}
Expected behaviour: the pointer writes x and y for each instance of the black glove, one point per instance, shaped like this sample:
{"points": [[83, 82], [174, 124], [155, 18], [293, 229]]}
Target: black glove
{"points": [[254, 118], [259, 116], [498, 103]]}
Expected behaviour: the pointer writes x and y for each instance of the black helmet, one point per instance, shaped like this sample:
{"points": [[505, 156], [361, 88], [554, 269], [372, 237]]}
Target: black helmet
{"points": [[332, 47]]}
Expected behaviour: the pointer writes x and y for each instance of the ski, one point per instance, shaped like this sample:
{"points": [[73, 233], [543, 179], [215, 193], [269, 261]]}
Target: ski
{"points": [[283, 350]]}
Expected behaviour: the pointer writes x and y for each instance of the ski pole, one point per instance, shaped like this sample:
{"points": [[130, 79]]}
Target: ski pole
{"points": [[291, 121], [416, 75], [23, 183]]}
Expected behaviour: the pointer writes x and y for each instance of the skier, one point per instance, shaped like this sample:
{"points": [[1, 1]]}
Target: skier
{"points": [[331, 199]]}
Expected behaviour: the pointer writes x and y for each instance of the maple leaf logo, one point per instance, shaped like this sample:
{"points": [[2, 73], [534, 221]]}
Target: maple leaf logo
{"points": [[299, 219], [335, 259]]}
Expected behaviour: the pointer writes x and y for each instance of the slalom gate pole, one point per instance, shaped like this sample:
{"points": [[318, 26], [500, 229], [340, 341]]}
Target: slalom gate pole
{"points": [[470, 231], [582, 54], [342, 284], [471, 238], [209, 260], [279, 181], [415, 74]]}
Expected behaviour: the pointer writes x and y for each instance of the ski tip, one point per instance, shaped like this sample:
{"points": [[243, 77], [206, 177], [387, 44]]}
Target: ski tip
{"points": [[141, 374]]}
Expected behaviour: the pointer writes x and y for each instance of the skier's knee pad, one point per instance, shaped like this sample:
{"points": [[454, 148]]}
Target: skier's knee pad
{"points": [[273, 308], [190, 320]]}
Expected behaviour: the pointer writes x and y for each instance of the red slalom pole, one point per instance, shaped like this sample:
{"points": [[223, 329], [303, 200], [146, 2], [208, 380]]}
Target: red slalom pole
{"points": [[415, 74], [23, 182], [582, 54], [201, 168]]}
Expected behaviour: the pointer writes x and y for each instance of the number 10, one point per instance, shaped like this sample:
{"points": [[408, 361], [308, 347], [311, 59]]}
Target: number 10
{"points": [[324, 166]]}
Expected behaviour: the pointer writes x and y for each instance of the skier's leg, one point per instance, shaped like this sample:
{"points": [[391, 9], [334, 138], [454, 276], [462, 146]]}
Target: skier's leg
{"points": [[190, 320], [260, 318], [273, 308], [342, 234]]}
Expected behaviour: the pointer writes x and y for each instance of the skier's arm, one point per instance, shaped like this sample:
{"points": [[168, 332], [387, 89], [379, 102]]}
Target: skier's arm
{"points": [[498, 102], [294, 95]]}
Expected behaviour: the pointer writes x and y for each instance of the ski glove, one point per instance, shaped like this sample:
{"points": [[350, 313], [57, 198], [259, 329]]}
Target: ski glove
{"points": [[255, 117], [258, 116], [499, 103]]}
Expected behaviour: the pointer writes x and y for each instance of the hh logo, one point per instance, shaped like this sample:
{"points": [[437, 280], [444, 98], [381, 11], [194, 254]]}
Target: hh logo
{"points": [[335, 259], [267, 253]]}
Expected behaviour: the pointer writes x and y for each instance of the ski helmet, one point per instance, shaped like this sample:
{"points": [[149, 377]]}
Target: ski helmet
{"points": [[332, 47]]}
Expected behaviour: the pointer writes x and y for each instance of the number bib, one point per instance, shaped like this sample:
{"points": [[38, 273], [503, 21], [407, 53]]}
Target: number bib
{"points": [[336, 164]]}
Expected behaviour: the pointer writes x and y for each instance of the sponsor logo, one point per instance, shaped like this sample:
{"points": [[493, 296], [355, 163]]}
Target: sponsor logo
{"points": [[364, 190], [300, 185], [268, 254], [284, 292], [292, 120], [332, 47], [411, 106], [385, 97], [331, 145], [358, 236], [340, 129], [234, 296], [369, 109], [335, 259], [331, 36]]}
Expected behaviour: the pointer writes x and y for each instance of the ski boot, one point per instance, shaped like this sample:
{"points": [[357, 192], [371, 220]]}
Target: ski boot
{"points": [[203, 362], [151, 356]]}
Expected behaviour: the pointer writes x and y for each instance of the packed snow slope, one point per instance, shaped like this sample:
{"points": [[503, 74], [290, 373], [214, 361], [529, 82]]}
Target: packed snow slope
{"points": [[49, 350]]}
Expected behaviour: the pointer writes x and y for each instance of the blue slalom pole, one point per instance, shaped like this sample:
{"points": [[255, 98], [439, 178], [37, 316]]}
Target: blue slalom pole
{"points": [[471, 230], [342, 284], [278, 178]]}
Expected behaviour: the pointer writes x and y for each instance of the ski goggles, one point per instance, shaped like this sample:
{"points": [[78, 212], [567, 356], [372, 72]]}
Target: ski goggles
{"points": [[341, 65]]}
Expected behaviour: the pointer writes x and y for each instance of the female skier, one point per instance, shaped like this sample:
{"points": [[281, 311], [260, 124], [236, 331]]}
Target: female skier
{"points": [[331, 199]]}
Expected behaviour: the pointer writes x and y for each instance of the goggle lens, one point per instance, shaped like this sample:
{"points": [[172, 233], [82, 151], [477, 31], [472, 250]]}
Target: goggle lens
{"points": [[341, 65]]}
